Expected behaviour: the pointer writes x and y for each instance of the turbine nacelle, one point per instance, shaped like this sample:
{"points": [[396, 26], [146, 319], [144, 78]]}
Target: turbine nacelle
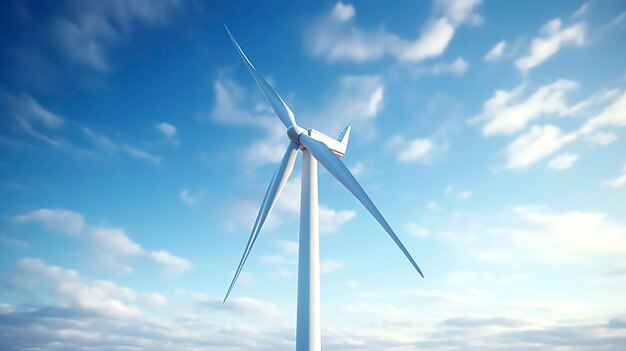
{"points": [[337, 146]]}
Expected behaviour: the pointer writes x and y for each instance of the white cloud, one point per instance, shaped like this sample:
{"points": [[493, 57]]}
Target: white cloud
{"points": [[186, 197], [506, 113], [288, 247], [617, 21], [467, 277], [100, 296], [109, 146], [514, 279], [57, 220], [243, 212], [331, 220], [536, 144], [27, 111], [433, 42], [330, 265], [86, 32], [173, 265], [422, 150], [496, 52], [601, 138], [111, 246], [269, 149], [361, 167], [491, 255], [33, 119], [354, 100], [581, 11], [439, 297], [458, 194], [459, 11], [13, 242], [168, 130], [562, 162], [565, 237], [455, 68], [416, 230], [618, 181], [342, 41], [114, 241], [235, 105], [552, 38], [343, 12], [155, 299], [241, 305], [612, 115]]}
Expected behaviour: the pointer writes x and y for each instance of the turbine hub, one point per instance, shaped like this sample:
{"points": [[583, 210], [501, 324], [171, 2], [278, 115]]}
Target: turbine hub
{"points": [[294, 132]]}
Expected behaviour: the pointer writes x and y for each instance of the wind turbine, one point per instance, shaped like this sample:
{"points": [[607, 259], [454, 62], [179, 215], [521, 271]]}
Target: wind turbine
{"points": [[316, 147]]}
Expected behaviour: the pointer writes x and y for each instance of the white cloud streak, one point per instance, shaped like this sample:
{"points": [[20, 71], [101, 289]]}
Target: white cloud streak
{"points": [[562, 162], [173, 265], [336, 39], [618, 181], [168, 130], [505, 112], [553, 37], [57, 220], [111, 245], [612, 115], [536, 144], [496, 52], [420, 150]]}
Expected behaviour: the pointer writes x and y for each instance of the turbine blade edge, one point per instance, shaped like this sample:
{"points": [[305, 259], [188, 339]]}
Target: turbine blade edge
{"points": [[279, 106], [281, 175], [339, 170]]}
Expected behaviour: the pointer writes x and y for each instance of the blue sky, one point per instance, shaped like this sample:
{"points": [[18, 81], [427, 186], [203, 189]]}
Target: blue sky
{"points": [[136, 148]]}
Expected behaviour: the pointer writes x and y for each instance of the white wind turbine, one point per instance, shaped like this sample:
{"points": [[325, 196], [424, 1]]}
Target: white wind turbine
{"points": [[316, 147]]}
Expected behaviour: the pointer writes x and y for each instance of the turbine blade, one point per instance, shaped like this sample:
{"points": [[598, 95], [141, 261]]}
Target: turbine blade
{"points": [[333, 164], [271, 195], [278, 104]]}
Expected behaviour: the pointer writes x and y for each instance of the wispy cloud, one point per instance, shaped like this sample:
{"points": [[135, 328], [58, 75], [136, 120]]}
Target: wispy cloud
{"points": [[618, 181], [562, 162], [343, 12], [103, 297], [173, 265], [57, 220], [455, 68], [336, 38], [458, 194], [13, 242], [420, 150], [330, 265], [354, 100], [111, 246], [496, 52], [189, 198], [536, 144], [107, 145], [506, 112], [77, 38], [553, 36], [59, 133], [169, 132], [612, 115]]}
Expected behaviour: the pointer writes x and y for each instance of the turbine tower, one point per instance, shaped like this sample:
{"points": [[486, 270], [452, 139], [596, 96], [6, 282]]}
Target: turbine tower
{"points": [[316, 147]]}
